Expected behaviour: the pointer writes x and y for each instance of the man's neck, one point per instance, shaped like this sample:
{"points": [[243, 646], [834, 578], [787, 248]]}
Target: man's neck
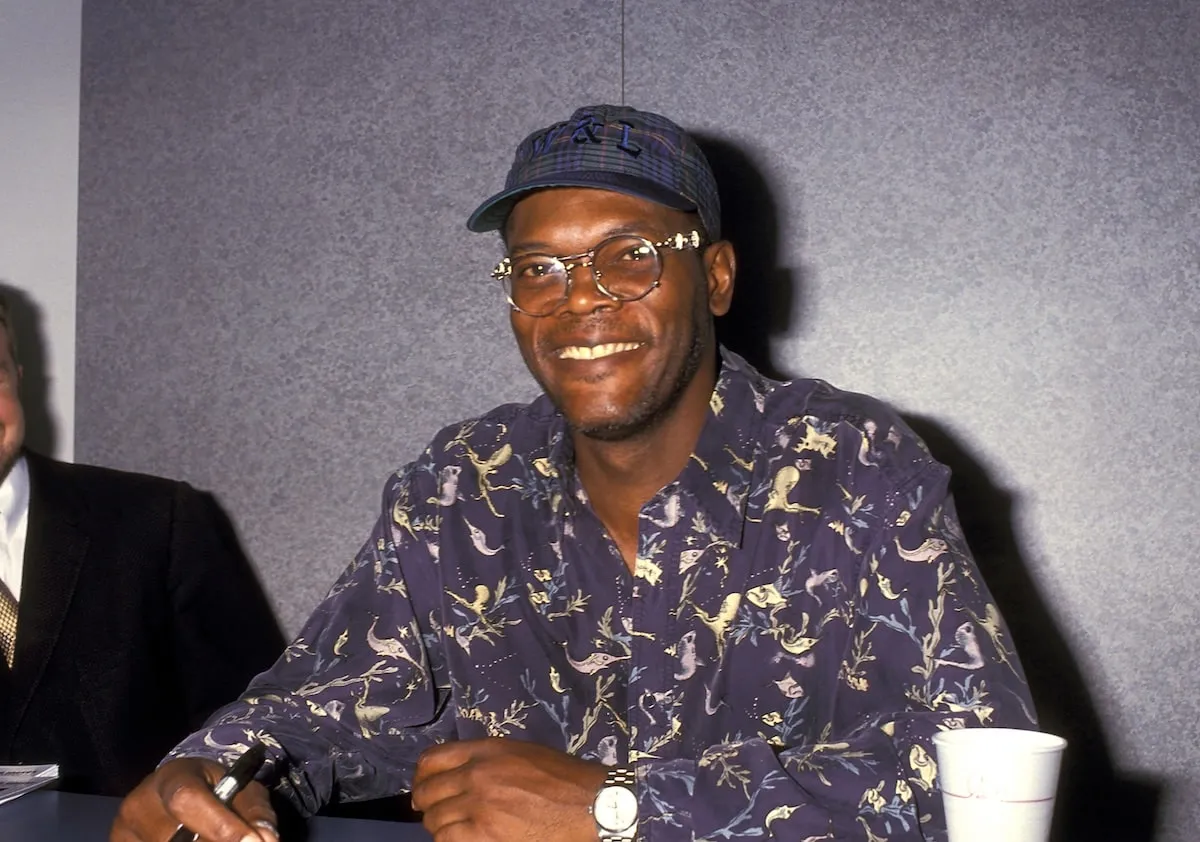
{"points": [[622, 476]]}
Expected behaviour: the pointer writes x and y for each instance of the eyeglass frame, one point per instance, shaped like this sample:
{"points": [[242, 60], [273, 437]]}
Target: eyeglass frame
{"points": [[675, 242]]}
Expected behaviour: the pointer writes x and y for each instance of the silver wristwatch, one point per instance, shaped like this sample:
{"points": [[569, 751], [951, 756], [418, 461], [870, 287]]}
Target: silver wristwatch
{"points": [[615, 807]]}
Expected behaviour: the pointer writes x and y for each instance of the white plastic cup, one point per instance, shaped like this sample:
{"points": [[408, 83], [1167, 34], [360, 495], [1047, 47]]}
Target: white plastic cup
{"points": [[998, 784]]}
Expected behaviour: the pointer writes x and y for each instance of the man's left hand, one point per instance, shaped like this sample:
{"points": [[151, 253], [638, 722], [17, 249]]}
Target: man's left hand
{"points": [[503, 790]]}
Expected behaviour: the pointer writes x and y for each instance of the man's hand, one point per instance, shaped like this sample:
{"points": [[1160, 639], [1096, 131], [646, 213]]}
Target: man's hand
{"points": [[501, 790], [180, 792]]}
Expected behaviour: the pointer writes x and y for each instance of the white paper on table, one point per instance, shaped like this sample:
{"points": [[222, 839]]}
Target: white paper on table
{"points": [[18, 780]]}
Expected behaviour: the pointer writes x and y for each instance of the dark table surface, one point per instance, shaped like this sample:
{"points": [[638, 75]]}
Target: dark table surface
{"points": [[48, 816]]}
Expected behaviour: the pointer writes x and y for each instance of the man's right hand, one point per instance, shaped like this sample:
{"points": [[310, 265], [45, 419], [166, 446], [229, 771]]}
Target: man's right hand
{"points": [[180, 792]]}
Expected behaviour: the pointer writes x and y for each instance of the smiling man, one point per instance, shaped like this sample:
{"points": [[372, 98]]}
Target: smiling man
{"points": [[669, 600]]}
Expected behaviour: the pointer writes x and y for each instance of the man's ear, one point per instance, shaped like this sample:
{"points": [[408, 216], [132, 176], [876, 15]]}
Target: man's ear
{"points": [[720, 265]]}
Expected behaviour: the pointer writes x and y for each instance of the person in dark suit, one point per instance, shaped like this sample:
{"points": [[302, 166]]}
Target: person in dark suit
{"points": [[136, 613]]}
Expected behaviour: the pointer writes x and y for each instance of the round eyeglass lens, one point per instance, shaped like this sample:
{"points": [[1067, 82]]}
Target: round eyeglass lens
{"points": [[536, 283], [627, 266]]}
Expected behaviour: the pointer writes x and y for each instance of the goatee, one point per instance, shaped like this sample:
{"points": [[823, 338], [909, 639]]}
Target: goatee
{"points": [[648, 413]]}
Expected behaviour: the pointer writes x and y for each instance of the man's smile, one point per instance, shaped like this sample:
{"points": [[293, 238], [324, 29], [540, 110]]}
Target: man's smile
{"points": [[596, 352]]}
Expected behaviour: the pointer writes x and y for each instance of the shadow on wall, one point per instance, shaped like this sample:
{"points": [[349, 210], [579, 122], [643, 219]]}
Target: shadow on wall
{"points": [[1095, 801], [766, 294], [41, 435]]}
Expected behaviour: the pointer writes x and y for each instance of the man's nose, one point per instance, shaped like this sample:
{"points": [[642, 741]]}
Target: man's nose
{"points": [[584, 294]]}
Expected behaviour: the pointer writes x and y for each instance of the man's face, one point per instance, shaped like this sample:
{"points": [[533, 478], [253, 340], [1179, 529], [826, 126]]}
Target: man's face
{"points": [[12, 418], [643, 355]]}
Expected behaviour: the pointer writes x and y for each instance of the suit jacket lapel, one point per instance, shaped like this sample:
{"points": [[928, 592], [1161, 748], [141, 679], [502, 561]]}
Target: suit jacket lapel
{"points": [[55, 548]]}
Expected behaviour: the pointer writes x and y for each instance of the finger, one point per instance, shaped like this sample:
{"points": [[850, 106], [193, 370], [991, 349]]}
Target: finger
{"points": [[434, 788], [193, 805], [443, 757], [459, 752], [451, 813], [253, 804], [143, 815], [266, 829]]}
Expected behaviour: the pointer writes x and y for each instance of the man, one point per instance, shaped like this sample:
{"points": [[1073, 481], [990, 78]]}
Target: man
{"points": [[669, 599], [126, 617]]}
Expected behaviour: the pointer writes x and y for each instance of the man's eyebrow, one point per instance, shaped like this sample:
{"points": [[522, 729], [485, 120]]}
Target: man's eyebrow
{"points": [[531, 246]]}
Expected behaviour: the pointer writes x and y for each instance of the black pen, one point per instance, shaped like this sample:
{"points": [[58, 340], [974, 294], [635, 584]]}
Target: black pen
{"points": [[240, 774]]}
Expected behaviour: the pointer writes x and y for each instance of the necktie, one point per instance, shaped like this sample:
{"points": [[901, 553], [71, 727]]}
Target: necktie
{"points": [[8, 623]]}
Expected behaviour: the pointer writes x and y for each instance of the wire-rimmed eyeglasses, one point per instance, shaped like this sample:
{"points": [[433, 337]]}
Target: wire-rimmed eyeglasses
{"points": [[624, 268]]}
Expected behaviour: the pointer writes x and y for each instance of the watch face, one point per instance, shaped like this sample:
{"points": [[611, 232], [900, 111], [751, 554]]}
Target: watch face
{"points": [[615, 808]]}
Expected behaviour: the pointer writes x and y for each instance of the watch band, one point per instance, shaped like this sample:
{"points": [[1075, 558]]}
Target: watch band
{"points": [[621, 776]]}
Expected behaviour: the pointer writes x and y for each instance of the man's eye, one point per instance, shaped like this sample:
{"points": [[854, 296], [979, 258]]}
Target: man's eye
{"points": [[636, 253], [535, 269]]}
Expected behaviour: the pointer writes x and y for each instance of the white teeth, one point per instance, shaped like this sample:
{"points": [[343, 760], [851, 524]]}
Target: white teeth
{"points": [[582, 352]]}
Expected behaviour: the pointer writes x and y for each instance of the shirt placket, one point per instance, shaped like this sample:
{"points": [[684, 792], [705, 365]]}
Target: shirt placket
{"points": [[611, 585], [653, 719]]}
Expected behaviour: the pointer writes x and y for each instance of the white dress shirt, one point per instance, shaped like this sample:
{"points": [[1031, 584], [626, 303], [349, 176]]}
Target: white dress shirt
{"points": [[14, 523]]}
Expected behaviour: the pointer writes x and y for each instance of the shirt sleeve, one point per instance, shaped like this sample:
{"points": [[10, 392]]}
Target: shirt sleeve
{"points": [[362, 690], [927, 651]]}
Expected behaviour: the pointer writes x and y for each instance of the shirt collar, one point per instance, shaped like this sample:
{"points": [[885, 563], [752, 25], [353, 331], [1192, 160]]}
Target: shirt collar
{"points": [[14, 497], [720, 470]]}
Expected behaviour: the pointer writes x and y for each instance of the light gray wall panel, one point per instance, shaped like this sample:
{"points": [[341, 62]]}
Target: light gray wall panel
{"points": [[991, 212], [39, 175], [279, 301]]}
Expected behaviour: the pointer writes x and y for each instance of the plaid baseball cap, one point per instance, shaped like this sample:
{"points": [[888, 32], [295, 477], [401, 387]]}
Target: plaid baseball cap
{"points": [[611, 147]]}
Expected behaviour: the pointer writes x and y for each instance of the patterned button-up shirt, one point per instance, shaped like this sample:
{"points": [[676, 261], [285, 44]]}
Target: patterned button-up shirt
{"points": [[803, 616]]}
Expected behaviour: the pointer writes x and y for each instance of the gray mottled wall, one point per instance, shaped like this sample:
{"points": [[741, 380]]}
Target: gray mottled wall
{"points": [[985, 213]]}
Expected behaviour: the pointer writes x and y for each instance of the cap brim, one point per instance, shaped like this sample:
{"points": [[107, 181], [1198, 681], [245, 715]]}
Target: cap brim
{"points": [[491, 215]]}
